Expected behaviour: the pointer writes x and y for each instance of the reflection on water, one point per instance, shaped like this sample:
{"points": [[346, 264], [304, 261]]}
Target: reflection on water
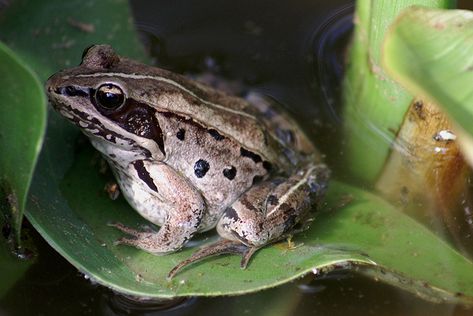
{"points": [[328, 46], [117, 304]]}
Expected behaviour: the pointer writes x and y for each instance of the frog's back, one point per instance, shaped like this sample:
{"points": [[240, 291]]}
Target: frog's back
{"points": [[264, 129]]}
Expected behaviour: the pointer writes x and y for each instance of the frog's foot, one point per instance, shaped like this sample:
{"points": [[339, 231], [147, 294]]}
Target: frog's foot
{"points": [[148, 240], [223, 246], [129, 230], [137, 235]]}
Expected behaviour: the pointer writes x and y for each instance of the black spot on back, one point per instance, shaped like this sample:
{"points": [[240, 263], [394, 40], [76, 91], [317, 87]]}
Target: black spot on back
{"points": [[272, 200], [257, 179], [249, 154], [230, 173], [216, 135], [200, 168], [267, 165], [181, 134]]}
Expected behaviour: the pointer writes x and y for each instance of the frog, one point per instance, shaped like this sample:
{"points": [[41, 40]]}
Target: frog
{"points": [[190, 158]]}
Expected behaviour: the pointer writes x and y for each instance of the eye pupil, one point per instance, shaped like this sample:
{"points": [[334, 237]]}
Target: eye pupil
{"points": [[109, 96]]}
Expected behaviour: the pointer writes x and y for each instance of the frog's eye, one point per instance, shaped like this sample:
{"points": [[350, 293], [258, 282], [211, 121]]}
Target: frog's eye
{"points": [[109, 96]]}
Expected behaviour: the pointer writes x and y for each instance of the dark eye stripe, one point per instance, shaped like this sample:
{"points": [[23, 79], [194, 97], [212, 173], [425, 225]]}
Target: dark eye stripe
{"points": [[73, 91], [135, 117]]}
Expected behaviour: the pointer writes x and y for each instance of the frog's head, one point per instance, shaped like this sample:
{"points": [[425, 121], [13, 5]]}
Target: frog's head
{"points": [[106, 107]]}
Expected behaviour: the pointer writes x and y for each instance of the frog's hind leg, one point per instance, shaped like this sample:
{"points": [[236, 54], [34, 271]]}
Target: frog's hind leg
{"points": [[265, 214], [223, 246], [271, 210]]}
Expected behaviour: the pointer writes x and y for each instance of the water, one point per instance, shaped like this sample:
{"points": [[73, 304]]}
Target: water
{"points": [[291, 51]]}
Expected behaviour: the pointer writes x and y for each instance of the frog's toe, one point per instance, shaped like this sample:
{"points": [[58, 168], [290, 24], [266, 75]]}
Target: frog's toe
{"points": [[125, 229], [246, 256], [223, 246], [125, 241], [141, 241]]}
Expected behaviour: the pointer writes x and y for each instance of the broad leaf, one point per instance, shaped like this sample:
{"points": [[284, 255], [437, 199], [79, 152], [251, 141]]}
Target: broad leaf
{"points": [[22, 127], [47, 40], [367, 232]]}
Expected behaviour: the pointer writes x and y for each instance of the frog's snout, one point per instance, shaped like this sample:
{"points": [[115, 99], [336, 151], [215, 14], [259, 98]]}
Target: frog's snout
{"points": [[52, 84]]}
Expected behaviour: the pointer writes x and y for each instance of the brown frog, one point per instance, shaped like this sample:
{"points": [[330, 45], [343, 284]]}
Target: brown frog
{"points": [[189, 158]]}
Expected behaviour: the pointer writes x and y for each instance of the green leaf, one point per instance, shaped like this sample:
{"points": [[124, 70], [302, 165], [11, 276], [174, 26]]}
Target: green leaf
{"points": [[22, 127], [431, 53], [59, 39], [48, 36], [374, 104], [367, 232]]}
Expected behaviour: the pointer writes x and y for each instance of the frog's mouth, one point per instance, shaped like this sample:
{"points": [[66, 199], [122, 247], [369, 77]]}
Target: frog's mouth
{"points": [[87, 123]]}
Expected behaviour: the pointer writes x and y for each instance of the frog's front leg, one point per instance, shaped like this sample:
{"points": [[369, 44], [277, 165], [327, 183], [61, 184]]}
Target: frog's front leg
{"points": [[265, 213], [182, 204]]}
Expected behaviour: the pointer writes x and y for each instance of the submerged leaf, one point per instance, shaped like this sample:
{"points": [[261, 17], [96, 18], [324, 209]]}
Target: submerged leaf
{"points": [[431, 53], [374, 104]]}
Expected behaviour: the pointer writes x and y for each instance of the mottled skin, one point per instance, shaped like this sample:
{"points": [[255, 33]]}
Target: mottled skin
{"points": [[188, 157]]}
